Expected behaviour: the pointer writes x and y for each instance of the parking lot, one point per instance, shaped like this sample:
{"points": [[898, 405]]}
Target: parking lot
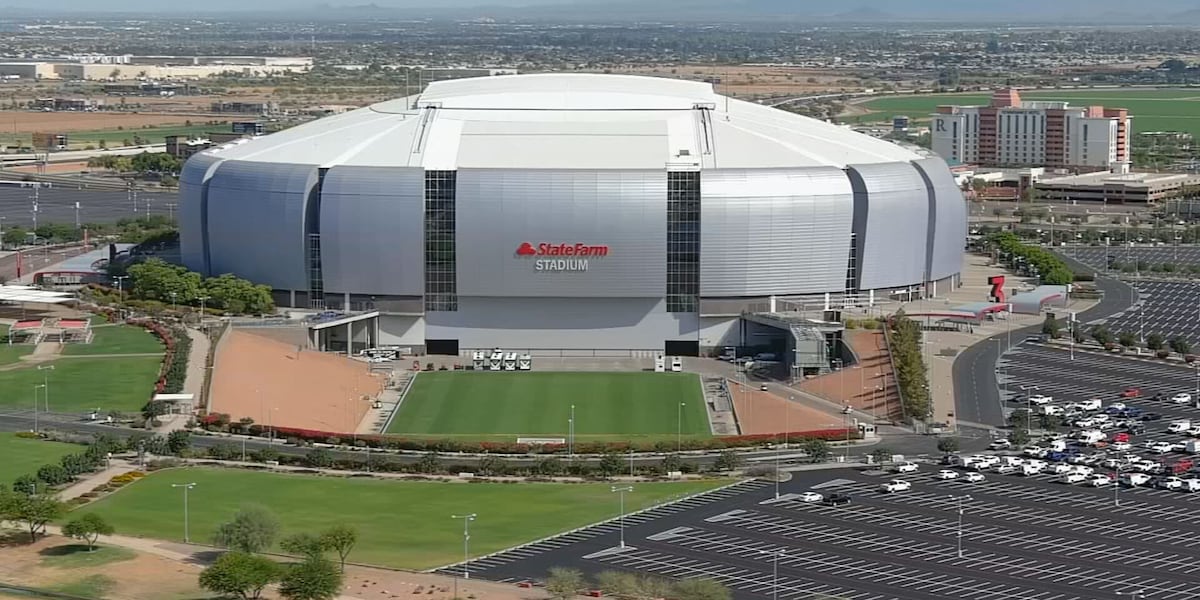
{"points": [[1022, 538], [1097, 256], [57, 205], [1166, 307]]}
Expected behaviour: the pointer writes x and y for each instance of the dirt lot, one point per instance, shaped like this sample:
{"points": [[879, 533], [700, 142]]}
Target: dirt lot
{"points": [[30, 121], [142, 577], [762, 412], [742, 81]]}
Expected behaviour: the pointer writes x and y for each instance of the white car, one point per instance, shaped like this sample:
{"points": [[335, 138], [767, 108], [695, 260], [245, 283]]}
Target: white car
{"points": [[986, 463], [1161, 447], [906, 467], [974, 477], [1005, 469], [1078, 459], [1114, 406], [946, 474], [1051, 409], [1083, 470], [1182, 398], [1179, 426], [895, 485], [1099, 480], [1171, 483], [1121, 446], [1060, 468], [1072, 478], [1000, 445], [1101, 418], [1038, 399], [811, 497], [1095, 404], [1034, 451], [1085, 423], [1134, 479]]}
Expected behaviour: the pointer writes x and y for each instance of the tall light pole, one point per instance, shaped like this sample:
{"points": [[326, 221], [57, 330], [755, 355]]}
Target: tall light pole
{"points": [[173, 303], [679, 428], [35, 406], [466, 547], [186, 487], [1134, 595], [46, 384], [959, 536], [120, 288], [620, 491], [571, 435], [1028, 389], [202, 299], [846, 425]]}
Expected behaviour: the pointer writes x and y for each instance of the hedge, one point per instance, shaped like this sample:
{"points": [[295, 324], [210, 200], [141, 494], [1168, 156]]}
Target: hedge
{"points": [[483, 447]]}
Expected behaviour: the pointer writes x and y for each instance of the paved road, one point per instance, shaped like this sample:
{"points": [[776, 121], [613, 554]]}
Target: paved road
{"points": [[1023, 538], [57, 205], [977, 398]]}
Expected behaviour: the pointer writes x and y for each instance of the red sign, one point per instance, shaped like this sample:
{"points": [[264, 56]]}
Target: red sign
{"points": [[560, 249], [997, 292]]}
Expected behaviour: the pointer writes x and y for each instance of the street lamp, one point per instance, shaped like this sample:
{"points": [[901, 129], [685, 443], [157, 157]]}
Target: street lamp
{"points": [[35, 406], [173, 295], [202, 299], [959, 536], [1134, 595], [620, 490], [186, 487], [120, 288], [46, 383], [571, 435], [466, 547], [679, 428], [1029, 407], [775, 554], [846, 425]]}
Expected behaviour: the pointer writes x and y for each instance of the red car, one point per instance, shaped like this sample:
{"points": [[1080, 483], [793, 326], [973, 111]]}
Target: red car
{"points": [[1131, 393]]}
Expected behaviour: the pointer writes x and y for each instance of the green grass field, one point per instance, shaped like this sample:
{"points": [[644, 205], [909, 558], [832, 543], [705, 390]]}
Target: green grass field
{"points": [[152, 135], [504, 405], [23, 457], [400, 524], [1152, 109], [117, 339], [83, 384], [11, 354]]}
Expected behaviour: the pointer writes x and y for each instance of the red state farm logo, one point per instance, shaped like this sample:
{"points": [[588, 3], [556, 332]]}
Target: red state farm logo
{"points": [[549, 249]]}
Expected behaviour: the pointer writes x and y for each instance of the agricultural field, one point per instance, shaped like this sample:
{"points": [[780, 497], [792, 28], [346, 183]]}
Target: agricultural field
{"points": [[1152, 109], [507, 405], [88, 128], [400, 524], [24, 456]]}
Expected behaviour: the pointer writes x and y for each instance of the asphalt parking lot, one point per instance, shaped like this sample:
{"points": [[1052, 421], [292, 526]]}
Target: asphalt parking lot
{"points": [[1097, 256], [57, 205], [1167, 307], [1023, 538]]}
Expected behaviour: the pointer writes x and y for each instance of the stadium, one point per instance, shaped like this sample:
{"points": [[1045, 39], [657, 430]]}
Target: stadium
{"points": [[576, 214]]}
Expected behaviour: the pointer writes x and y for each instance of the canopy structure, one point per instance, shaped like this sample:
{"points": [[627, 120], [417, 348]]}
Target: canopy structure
{"points": [[24, 293], [1033, 301]]}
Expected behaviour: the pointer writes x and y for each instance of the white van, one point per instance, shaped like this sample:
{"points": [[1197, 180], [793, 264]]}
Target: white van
{"points": [[1191, 485], [1179, 426]]}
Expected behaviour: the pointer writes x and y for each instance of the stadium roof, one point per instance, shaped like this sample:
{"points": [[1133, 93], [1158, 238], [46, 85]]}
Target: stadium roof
{"points": [[562, 121]]}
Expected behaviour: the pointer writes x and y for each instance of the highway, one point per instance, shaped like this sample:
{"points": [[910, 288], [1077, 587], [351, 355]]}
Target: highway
{"points": [[977, 396]]}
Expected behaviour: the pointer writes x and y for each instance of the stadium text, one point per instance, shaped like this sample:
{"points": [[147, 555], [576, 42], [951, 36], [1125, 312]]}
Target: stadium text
{"points": [[576, 264]]}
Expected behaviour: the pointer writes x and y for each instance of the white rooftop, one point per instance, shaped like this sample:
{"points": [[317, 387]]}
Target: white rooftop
{"points": [[567, 121], [24, 293]]}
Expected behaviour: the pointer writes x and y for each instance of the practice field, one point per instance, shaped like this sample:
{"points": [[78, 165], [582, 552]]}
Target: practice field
{"points": [[84, 384], [510, 405], [21, 456], [1152, 109], [400, 524]]}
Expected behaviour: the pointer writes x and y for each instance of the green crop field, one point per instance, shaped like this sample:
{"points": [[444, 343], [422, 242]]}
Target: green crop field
{"points": [[1151, 109], [506, 405], [22, 456], [117, 339], [400, 524], [83, 384]]}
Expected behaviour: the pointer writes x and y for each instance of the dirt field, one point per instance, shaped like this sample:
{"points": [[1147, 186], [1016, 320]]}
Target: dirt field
{"points": [[16, 122], [274, 383], [753, 81], [377, 584], [762, 412], [142, 577], [857, 385]]}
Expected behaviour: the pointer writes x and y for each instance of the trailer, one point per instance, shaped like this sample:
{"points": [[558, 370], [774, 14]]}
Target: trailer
{"points": [[525, 363], [496, 361], [478, 361], [510, 361], [660, 364], [676, 364]]}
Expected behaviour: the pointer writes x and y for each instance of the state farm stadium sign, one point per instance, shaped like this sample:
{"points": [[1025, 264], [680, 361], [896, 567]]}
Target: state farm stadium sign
{"points": [[559, 257]]}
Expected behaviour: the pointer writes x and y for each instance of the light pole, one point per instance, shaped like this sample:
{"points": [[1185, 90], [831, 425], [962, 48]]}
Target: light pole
{"points": [[186, 487], [173, 303], [1134, 595], [620, 491], [202, 299], [120, 288], [846, 425], [466, 547], [959, 536], [679, 428], [571, 435], [35, 406], [1028, 389], [46, 384]]}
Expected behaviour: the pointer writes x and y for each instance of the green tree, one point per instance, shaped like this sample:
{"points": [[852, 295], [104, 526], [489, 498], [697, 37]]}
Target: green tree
{"points": [[240, 574], [88, 528], [157, 280], [1181, 346], [610, 464], [340, 539], [1127, 339], [564, 583], [1102, 335], [880, 456], [1155, 341], [319, 458], [237, 295], [1019, 437], [253, 529], [816, 449], [25, 484], [948, 445], [178, 442], [1051, 327], [313, 579], [729, 460], [303, 544], [618, 584], [53, 475], [1019, 419], [33, 512], [699, 589]]}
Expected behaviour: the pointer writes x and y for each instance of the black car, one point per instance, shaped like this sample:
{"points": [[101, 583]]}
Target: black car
{"points": [[837, 499], [1150, 416]]}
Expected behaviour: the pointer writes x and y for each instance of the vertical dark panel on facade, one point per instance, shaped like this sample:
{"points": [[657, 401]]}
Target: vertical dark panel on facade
{"points": [[683, 242], [441, 270], [312, 235]]}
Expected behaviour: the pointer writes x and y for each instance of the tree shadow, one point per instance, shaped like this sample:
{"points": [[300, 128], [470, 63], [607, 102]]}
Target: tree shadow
{"points": [[64, 550], [13, 538], [204, 558]]}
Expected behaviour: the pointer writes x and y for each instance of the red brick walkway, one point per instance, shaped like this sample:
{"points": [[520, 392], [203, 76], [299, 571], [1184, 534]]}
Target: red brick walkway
{"points": [[869, 386]]}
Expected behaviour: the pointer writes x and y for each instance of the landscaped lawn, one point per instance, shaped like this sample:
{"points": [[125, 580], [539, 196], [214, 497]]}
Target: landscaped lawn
{"points": [[400, 524], [19, 456], [84, 384], [538, 404], [117, 339], [12, 353]]}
